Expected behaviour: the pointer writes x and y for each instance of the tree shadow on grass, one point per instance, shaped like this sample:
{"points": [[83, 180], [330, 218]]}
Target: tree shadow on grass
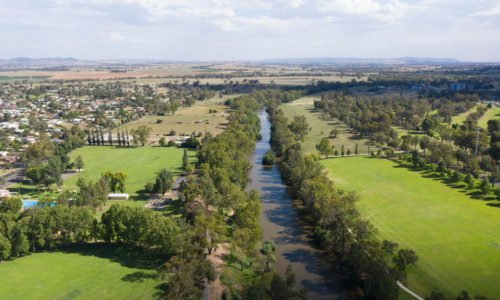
{"points": [[139, 276], [141, 195], [127, 256], [174, 207]]}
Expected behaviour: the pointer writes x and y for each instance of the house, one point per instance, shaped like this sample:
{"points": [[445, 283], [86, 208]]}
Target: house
{"points": [[116, 196], [10, 159], [4, 193]]}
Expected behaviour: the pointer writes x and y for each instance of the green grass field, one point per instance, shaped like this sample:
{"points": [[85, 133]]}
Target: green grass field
{"points": [[455, 235], [89, 271], [321, 127], [492, 113], [140, 163], [460, 118]]}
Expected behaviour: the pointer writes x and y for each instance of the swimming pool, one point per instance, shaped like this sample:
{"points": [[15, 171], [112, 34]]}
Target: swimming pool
{"points": [[32, 203]]}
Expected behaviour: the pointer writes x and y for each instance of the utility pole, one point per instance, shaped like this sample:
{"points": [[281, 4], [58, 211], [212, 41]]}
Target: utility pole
{"points": [[477, 142]]}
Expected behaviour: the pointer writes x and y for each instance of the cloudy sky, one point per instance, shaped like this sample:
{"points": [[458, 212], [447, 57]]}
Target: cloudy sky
{"points": [[250, 29]]}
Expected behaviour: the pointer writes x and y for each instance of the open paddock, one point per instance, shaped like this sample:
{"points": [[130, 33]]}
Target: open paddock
{"points": [[454, 232]]}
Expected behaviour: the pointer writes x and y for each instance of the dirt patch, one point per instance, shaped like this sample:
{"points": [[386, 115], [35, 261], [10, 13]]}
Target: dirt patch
{"points": [[216, 288]]}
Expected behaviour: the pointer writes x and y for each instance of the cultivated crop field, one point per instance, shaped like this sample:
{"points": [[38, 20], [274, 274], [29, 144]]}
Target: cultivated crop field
{"points": [[89, 271], [455, 235], [321, 128]]}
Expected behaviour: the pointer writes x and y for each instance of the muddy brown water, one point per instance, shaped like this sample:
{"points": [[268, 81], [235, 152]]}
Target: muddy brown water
{"points": [[281, 223]]}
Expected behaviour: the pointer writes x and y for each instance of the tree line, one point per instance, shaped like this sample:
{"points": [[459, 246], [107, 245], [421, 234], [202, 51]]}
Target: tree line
{"points": [[339, 227]]}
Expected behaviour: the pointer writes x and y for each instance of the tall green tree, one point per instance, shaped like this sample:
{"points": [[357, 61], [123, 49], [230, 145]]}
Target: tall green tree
{"points": [[110, 137], [116, 180], [79, 162], [128, 137], [268, 248], [185, 159], [164, 181], [324, 147], [35, 174], [5, 247]]}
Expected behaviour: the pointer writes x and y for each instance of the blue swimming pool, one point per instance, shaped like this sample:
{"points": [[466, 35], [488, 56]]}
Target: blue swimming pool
{"points": [[29, 203], [32, 203]]}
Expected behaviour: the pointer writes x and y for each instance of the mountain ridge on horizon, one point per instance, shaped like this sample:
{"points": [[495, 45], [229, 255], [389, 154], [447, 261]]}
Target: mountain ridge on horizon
{"points": [[68, 61]]}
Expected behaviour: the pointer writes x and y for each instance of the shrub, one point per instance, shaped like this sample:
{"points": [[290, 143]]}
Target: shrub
{"points": [[268, 158]]}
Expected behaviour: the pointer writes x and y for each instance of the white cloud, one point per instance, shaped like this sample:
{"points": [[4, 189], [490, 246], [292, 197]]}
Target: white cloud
{"points": [[118, 37], [232, 29], [385, 11], [488, 12]]}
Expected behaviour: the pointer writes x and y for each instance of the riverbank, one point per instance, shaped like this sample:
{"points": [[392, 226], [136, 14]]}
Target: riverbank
{"points": [[281, 222]]}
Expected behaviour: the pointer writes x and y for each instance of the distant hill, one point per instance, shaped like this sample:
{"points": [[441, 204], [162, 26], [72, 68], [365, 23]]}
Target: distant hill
{"points": [[27, 61], [70, 61], [363, 61]]}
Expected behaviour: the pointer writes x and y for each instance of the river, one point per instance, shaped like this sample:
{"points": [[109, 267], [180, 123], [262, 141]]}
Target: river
{"points": [[280, 223]]}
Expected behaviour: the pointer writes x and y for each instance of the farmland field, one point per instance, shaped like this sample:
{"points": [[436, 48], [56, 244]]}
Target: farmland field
{"points": [[321, 127], [88, 271], [140, 163], [454, 234], [188, 119]]}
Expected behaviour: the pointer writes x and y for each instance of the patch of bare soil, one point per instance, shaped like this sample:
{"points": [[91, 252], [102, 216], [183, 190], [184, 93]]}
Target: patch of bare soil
{"points": [[217, 257]]}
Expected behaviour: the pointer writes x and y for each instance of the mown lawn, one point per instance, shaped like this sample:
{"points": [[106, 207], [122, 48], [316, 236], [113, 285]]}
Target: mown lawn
{"points": [[140, 163], [321, 127], [490, 114], [89, 271], [454, 234]]}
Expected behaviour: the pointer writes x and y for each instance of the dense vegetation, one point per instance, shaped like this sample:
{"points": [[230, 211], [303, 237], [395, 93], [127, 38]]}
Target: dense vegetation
{"points": [[377, 118], [338, 225]]}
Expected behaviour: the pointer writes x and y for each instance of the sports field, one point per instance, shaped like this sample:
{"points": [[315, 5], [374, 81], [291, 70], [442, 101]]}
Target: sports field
{"points": [[92, 271], [140, 163], [455, 235], [321, 127]]}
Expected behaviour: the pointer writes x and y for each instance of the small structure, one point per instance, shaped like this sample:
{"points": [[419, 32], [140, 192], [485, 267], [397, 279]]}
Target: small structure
{"points": [[4, 194], [10, 159], [114, 196]]}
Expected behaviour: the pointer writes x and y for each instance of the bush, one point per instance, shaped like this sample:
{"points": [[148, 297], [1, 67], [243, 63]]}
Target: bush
{"points": [[268, 158], [171, 143], [149, 187], [162, 141]]}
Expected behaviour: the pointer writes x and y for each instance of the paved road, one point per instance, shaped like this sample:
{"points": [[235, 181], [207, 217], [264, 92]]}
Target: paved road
{"points": [[175, 188], [14, 176], [157, 202]]}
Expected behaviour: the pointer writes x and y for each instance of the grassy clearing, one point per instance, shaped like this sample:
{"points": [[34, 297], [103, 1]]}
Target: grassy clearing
{"points": [[460, 118], [140, 163], [184, 120], [88, 271], [490, 114], [321, 127], [454, 233]]}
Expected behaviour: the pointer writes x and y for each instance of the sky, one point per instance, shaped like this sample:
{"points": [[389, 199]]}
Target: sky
{"points": [[189, 30]]}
